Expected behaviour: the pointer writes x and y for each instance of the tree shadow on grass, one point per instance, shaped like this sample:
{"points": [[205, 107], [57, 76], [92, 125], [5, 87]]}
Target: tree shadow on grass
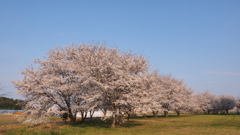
{"points": [[92, 123], [103, 124], [131, 124]]}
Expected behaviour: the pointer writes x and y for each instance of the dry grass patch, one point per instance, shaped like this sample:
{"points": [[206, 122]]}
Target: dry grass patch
{"points": [[7, 118], [5, 128]]}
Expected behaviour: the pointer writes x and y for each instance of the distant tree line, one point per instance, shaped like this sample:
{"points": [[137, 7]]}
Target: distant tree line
{"points": [[10, 104]]}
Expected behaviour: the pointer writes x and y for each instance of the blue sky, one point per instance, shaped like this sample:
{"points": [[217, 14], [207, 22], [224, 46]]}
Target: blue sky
{"points": [[198, 41]]}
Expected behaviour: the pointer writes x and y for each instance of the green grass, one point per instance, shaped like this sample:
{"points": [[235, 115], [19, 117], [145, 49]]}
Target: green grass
{"points": [[173, 125]]}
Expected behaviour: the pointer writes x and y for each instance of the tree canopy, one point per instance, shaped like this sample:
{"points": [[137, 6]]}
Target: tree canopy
{"points": [[78, 78], [82, 78]]}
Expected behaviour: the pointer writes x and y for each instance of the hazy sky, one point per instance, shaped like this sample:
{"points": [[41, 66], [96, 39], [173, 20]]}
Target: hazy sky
{"points": [[194, 40]]}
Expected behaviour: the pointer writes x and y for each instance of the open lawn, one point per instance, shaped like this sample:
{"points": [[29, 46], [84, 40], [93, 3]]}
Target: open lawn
{"points": [[173, 125]]}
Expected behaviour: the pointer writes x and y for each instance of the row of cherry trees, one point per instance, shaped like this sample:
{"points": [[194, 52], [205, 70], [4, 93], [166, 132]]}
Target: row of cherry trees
{"points": [[207, 102], [83, 78]]}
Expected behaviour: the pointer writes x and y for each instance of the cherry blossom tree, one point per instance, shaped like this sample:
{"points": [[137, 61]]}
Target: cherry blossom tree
{"points": [[193, 105], [216, 104], [205, 101], [152, 84], [77, 78], [177, 95], [227, 102], [117, 75], [57, 81]]}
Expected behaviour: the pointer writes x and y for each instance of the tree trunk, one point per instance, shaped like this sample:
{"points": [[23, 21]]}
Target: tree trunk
{"points": [[227, 112], [104, 112], [155, 113], [91, 114], [208, 112], [144, 115], [75, 117], [128, 116], [166, 113], [71, 117], [84, 116], [114, 120], [120, 119], [178, 112], [114, 115]]}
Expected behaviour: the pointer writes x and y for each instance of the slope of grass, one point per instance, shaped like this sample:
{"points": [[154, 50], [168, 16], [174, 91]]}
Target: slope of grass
{"points": [[183, 125]]}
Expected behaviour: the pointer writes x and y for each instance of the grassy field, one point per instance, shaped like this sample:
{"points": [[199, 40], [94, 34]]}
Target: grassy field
{"points": [[173, 125]]}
